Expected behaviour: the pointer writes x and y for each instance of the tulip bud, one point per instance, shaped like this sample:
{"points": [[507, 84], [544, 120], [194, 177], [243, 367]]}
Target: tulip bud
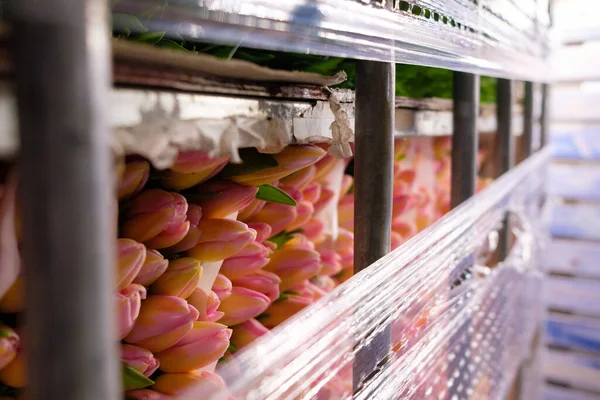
{"points": [[131, 259], [222, 287], [291, 159], [300, 241], [278, 216], [193, 215], [202, 346], [247, 332], [14, 373], [326, 197], [162, 322], [312, 192], [189, 385], [325, 283], [260, 281], [206, 305], [282, 309], [13, 300], [154, 266], [401, 204], [221, 198], [408, 177], [294, 265], [314, 229], [263, 231], [311, 291], [221, 239], [249, 260], [346, 212], [242, 305], [133, 179], [9, 343], [129, 301], [346, 274], [299, 180], [139, 359], [249, 211], [324, 166], [180, 279], [157, 219], [304, 212], [330, 260], [192, 168], [423, 219]]}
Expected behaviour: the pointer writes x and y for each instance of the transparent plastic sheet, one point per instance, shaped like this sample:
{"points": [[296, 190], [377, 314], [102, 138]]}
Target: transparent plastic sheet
{"points": [[310, 356], [493, 37]]}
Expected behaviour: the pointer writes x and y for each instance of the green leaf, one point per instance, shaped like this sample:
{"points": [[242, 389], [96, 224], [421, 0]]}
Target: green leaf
{"points": [[127, 23], [400, 157], [232, 348], [283, 297], [150, 38], [4, 333], [280, 239], [252, 161], [171, 44], [274, 194], [292, 292], [133, 379]]}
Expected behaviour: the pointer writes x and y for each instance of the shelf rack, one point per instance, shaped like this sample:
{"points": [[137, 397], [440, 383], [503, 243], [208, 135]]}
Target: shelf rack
{"points": [[65, 112]]}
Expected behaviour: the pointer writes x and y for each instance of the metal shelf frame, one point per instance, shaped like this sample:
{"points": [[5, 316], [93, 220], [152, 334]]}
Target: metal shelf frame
{"points": [[65, 163]]}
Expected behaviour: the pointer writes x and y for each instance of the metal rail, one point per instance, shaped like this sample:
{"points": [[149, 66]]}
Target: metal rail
{"points": [[373, 183], [527, 139], [67, 204]]}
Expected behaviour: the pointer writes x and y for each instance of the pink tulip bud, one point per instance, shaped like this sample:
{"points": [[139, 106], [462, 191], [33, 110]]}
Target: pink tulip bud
{"points": [[423, 219], [407, 176], [129, 301], [304, 212], [346, 212], [312, 192], [162, 322], [325, 283], [242, 305], [157, 219], [325, 198], [222, 287], [192, 168], [221, 239], [193, 215], [330, 260], [346, 274], [260, 281], [291, 159], [154, 266], [314, 229], [311, 291], [278, 216], [294, 265], [189, 385], [299, 180], [9, 343], [131, 260], [324, 167], [347, 183], [401, 204], [263, 231], [133, 179], [203, 345], [300, 241], [282, 309], [249, 211], [247, 332], [206, 304], [221, 198], [139, 359], [180, 279], [252, 258]]}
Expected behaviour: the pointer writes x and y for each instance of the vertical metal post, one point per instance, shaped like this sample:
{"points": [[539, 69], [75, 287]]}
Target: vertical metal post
{"points": [[527, 139], [62, 57], [504, 147], [465, 143], [544, 116], [465, 137], [373, 183]]}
